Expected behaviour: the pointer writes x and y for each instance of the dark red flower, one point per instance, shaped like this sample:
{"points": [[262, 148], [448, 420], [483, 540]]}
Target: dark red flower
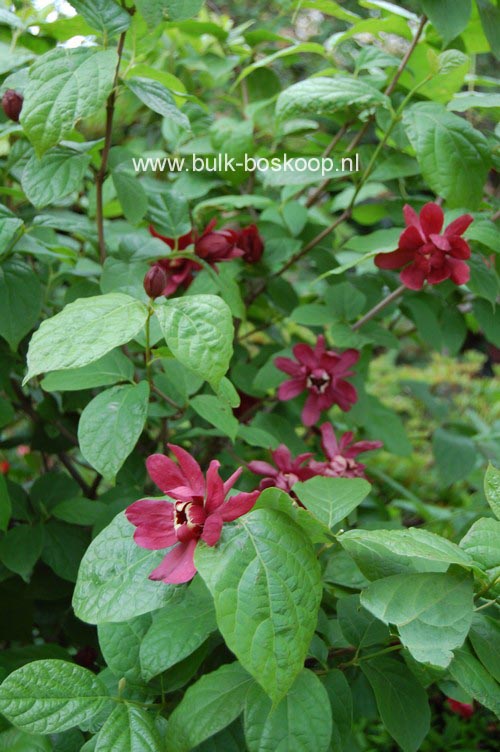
{"points": [[217, 245], [179, 271], [198, 511], [4, 467], [155, 281], [12, 104], [464, 709], [286, 474], [251, 244], [322, 373], [341, 455], [427, 255]]}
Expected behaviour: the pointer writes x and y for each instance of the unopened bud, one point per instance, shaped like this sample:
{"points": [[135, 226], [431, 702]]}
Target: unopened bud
{"points": [[12, 104], [155, 281]]}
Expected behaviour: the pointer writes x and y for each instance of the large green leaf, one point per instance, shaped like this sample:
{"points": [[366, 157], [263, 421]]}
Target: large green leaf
{"points": [[454, 157], [475, 679], [105, 16], [216, 412], [265, 580], [455, 455], [110, 426], [492, 489], [20, 300], [449, 17], [199, 331], [301, 722], [482, 544], [50, 696], [120, 644], [112, 367], [177, 630], [84, 331], [159, 99], [485, 638], [207, 707], [113, 582], [179, 10], [64, 86], [359, 627], [169, 212], [401, 700], [340, 696], [20, 549], [321, 96], [332, 499], [432, 610], [52, 177], [129, 729], [380, 553]]}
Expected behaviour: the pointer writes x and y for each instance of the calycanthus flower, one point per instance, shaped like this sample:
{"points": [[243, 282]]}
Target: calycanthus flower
{"points": [[322, 373], [287, 472], [251, 243], [425, 253], [341, 455], [197, 512], [465, 709]]}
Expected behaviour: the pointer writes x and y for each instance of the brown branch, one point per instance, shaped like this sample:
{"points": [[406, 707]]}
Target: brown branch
{"points": [[312, 243], [101, 173], [87, 490], [379, 307]]}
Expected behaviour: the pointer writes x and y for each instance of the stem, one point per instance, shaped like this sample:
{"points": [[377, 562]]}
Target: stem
{"points": [[379, 307], [317, 239], [356, 661], [101, 174], [406, 57], [147, 354], [487, 587]]}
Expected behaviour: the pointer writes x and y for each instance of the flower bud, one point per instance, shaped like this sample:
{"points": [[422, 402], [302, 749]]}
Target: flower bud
{"points": [[12, 104], [4, 467], [155, 281]]}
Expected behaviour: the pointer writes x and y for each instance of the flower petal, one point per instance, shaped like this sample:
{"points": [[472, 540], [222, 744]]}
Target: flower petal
{"points": [[431, 218], [288, 365], [190, 468], [311, 410], [282, 458], [177, 566], [413, 277], [394, 260], [410, 239], [229, 483], [347, 359], [212, 528], [164, 472], [460, 272], [460, 249], [262, 468], [345, 395], [329, 440], [305, 355], [154, 522], [215, 488], [411, 216], [238, 505], [290, 389], [459, 225]]}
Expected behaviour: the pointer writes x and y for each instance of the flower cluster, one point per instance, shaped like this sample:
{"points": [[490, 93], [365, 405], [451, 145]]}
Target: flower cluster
{"points": [[196, 510], [425, 253], [340, 461], [212, 246]]}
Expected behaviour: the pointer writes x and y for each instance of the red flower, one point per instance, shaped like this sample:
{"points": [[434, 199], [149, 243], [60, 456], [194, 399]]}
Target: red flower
{"points": [[426, 254], [322, 373], [251, 244], [198, 511], [217, 245], [342, 454], [4, 467], [287, 472], [464, 709]]}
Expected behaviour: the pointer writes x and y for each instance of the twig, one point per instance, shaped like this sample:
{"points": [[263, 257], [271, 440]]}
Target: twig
{"points": [[312, 243], [101, 173], [379, 307], [87, 490]]}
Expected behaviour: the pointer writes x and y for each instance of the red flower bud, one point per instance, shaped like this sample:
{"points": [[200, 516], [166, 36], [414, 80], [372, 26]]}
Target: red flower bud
{"points": [[251, 244], [464, 709], [12, 104], [155, 281], [4, 467], [219, 245]]}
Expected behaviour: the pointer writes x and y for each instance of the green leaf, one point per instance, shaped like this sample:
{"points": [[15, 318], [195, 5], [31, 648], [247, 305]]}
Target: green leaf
{"points": [[217, 413], [321, 96], [492, 489], [13, 740], [52, 177], [120, 644], [449, 17], [159, 99], [105, 16], [455, 455], [169, 213], [380, 553], [265, 580], [475, 680], [131, 195], [129, 729], [9, 228], [84, 331], [64, 86], [112, 367], [20, 300], [51, 696], [199, 331], [110, 426], [113, 582], [79, 511], [178, 10], [187, 622], [489, 13], [20, 549], [359, 627], [301, 722], [332, 499], [485, 638], [432, 610], [482, 544], [274, 498], [454, 157], [63, 549], [340, 696], [401, 700], [207, 707], [5, 505]]}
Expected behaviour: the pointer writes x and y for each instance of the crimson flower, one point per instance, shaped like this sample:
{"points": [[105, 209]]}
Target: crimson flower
{"points": [[464, 709], [322, 373], [217, 245], [341, 455], [251, 244], [425, 253], [4, 467], [197, 512], [179, 271], [287, 472]]}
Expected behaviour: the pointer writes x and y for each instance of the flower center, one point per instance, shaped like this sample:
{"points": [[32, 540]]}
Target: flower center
{"points": [[318, 381], [189, 518]]}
